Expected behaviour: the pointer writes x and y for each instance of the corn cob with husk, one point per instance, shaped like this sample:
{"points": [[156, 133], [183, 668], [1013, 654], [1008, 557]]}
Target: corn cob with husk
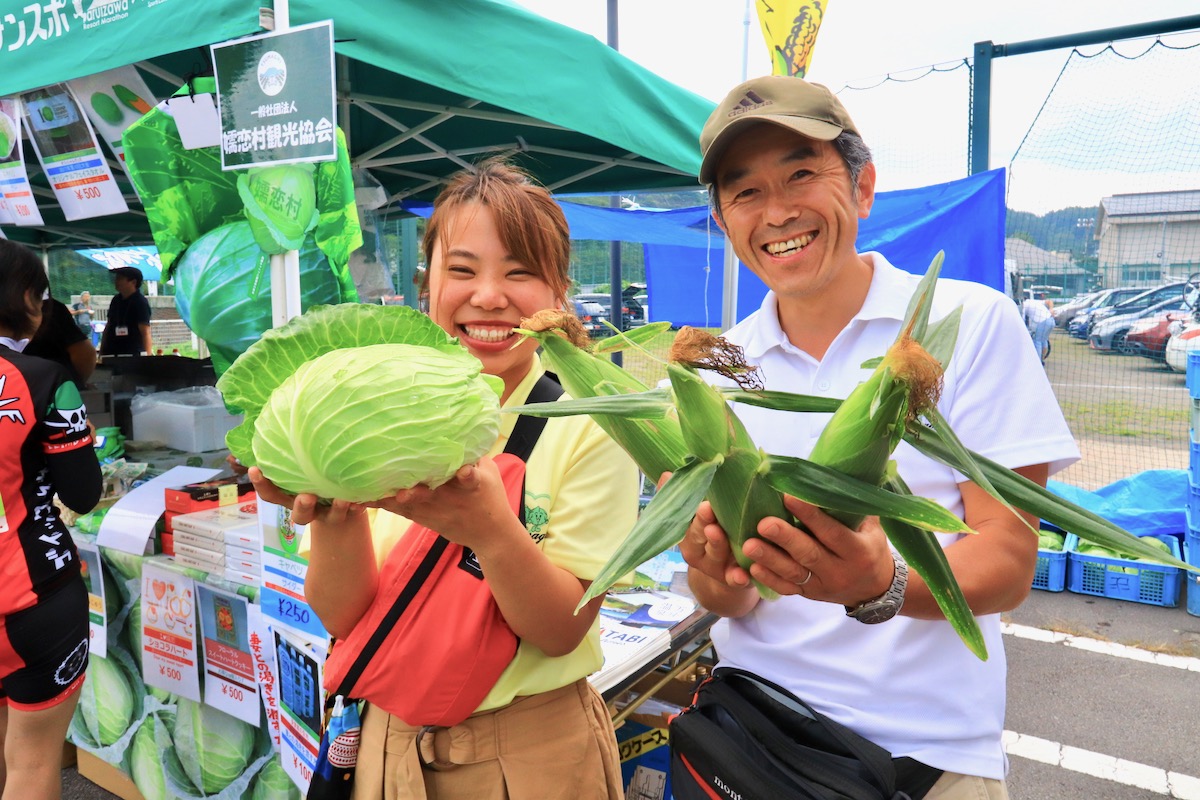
{"points": [[722, 463]]}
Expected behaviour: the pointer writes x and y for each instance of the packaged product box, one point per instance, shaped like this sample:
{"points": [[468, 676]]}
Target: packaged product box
{"points": [[234, 524], [222, 491]]}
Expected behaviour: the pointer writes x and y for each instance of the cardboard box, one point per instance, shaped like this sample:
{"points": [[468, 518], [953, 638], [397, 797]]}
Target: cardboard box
{"points": [[245, 578], [221, 555], [107, 777], [239, 538], [236, 524], [193, 429]]}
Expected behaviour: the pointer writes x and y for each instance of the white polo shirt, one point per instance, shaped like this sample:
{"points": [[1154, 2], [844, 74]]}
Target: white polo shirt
{"points": [[908, 685]]}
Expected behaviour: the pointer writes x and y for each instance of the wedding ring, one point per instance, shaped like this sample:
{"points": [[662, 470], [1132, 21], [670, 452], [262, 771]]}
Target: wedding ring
{"points": [[806, 580]]}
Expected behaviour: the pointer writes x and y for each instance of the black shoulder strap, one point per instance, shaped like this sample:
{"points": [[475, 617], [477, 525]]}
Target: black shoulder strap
{"points": [[528, 429], [521, 442]]}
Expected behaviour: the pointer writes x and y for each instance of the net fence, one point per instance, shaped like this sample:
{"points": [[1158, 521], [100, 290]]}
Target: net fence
{"points": [[1103, 193]]}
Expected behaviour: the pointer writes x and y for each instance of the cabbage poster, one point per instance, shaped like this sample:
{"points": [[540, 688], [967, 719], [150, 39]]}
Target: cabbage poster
{"points": [[230, 683], [169, 632], [17, 206], [69, 154], [113, 101]]}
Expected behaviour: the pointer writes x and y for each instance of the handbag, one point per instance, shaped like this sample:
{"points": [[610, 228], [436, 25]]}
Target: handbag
{"points": [[746, 737], [443, 638]]}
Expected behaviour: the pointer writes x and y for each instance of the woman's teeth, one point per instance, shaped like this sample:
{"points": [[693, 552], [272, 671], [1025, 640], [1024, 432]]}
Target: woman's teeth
{"points": [[790, 246], [488, 334]]}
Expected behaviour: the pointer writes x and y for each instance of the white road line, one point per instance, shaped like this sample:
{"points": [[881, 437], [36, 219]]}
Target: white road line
{"points": [[1101, 646], [1119, 770], [1056, 384], [1098, 765]]}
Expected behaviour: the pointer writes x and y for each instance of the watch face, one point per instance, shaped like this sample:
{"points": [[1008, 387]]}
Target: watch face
{"points": [[879, 611]]}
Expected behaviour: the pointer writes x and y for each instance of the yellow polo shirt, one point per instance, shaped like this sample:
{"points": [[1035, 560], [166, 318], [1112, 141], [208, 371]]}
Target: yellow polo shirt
{"points": [[581, 493]]}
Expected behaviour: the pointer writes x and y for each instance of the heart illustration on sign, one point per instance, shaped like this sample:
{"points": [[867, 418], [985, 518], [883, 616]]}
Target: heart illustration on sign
{"points": [[160, 588]]}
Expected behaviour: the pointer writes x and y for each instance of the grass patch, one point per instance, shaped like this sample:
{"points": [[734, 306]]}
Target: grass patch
{"points": [[1116, 417]]}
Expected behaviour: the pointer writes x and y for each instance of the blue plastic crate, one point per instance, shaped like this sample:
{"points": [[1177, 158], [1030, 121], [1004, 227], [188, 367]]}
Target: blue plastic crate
{"points": [[1194, 457], [1137, 581], [1193, 506], [1051, 574], [1193, 373], [1191, 554]]}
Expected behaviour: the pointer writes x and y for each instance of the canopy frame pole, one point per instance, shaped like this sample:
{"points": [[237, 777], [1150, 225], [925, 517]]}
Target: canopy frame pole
{"points": [[285, 267]]}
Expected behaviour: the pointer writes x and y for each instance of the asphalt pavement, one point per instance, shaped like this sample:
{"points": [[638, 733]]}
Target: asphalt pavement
{"points": [[1096, 687]]}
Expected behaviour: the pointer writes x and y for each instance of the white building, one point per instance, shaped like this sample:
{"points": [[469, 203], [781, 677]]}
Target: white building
{"points": [[1148, 238]]}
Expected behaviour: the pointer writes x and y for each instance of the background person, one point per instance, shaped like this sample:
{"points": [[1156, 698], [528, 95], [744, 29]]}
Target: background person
{"points": [[82, 312], [45, 447], [499, 250], [789, 179], [127, 329], [60, 340], [1039, 319]]}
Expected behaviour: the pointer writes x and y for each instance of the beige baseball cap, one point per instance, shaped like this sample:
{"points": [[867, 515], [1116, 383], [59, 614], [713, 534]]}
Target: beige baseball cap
{"points": [[807, 108]]}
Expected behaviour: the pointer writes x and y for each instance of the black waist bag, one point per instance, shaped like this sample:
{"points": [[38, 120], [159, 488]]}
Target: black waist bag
{"points": [[744, 737]]}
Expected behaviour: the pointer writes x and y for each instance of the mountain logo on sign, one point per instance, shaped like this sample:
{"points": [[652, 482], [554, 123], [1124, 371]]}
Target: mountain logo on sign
{"points": [[272, 73]]}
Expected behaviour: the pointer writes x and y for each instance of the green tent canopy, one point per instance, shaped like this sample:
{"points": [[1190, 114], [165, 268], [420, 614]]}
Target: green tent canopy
{"points": [[424, 88]]}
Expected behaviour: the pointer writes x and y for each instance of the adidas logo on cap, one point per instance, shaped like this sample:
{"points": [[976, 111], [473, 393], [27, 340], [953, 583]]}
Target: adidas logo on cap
{"points": [[750, 101]]}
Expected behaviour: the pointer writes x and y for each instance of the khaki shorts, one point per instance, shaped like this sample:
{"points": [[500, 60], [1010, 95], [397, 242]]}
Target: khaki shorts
{"points": [[952, 786], [559, 744]]}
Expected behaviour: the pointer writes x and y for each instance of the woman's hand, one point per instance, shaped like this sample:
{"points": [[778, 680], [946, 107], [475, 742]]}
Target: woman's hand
{"points": [[305, 507], [467, 509]]}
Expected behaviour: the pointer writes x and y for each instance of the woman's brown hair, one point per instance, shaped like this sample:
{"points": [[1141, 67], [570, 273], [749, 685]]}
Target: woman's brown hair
{"points": [[532, 225]]}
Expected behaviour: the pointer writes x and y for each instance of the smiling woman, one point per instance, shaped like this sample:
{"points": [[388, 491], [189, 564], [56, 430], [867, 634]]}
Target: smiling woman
{"points": [[524, 525]]}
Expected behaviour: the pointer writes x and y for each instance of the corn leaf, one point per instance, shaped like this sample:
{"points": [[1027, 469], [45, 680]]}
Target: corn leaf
{"points": [[924, 553], [635, 337], [783, 401], [917, 313], [662, 524], [653, 404], [835, 491], [1029, 496], [941, 337]]}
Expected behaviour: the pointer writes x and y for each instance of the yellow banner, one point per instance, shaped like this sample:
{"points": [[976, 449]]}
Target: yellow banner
{"points": [[790, 28]]}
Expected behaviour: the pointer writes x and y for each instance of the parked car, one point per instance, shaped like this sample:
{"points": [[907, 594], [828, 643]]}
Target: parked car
{"points": [[1140, 302], [1065, 312], [1184, 339], [1078, 326], [592, 317], [1148, 337], [1110, 333], [632, 311]]}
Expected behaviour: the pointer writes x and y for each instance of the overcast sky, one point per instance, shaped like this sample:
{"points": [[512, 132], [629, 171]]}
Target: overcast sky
{"points": [[700, 44]]}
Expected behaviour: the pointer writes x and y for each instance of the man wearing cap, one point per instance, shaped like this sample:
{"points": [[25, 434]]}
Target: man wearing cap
{"points": [[789, 178], [127, 330]]}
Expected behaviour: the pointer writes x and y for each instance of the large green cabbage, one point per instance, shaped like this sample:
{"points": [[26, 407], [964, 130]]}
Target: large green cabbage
{"points": [[213, 747], [106, 701], [371, 418], [273, 783], [223, 288], [361, 423], [147, 752]]}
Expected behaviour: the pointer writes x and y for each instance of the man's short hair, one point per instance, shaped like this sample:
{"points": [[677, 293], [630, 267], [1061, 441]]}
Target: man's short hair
{"points": [[807, 108]]}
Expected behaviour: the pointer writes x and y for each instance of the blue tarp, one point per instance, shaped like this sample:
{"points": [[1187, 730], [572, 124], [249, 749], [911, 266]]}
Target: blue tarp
{"points": [[1151, 502], [684, 249], [965, 218], [144, 258]]}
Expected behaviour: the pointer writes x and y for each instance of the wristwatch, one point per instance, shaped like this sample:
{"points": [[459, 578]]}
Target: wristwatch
{"points": [[887, 605]]}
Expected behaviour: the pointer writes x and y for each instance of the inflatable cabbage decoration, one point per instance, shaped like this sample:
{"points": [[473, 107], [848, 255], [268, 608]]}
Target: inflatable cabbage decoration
{"points": [[357, 401], [280, 203], [223, 288]]}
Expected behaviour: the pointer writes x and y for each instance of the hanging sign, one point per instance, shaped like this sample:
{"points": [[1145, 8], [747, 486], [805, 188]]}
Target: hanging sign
{"points": [[230, 683], [169, 631], [93, 578], [262, 647], [300, 704], [70, 156], [17, 206], [114, 100], [275, 95]]}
